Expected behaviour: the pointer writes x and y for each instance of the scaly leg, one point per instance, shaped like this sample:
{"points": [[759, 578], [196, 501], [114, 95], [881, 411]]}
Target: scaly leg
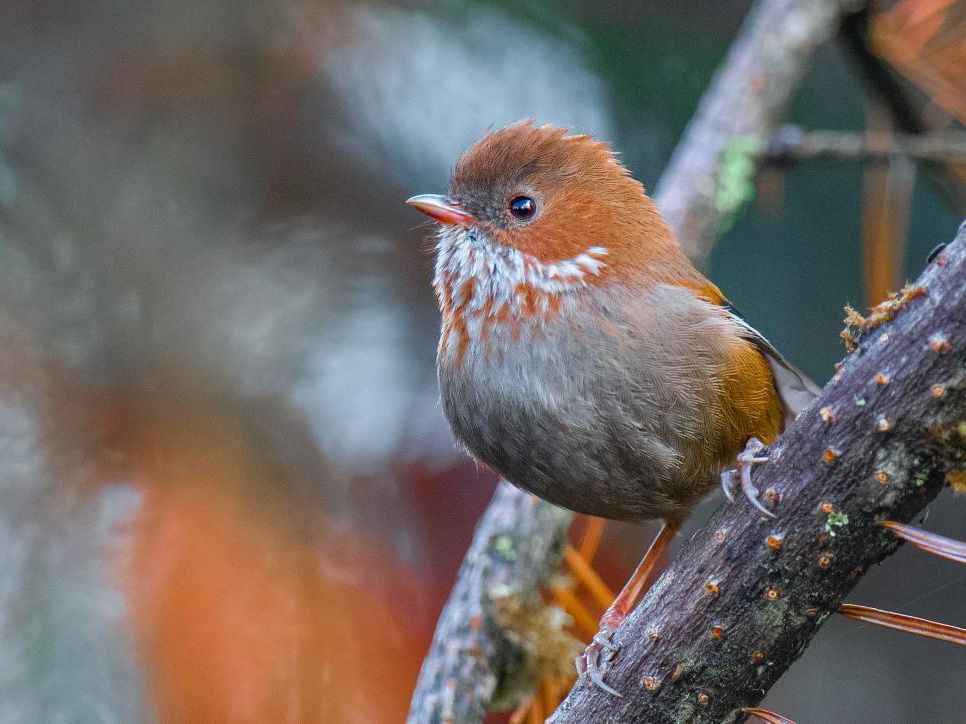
{"points": [[727, 480], [602, 648], [747, 459]]}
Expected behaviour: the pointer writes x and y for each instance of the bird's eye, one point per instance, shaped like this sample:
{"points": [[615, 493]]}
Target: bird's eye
{"points": [[523, 207]]}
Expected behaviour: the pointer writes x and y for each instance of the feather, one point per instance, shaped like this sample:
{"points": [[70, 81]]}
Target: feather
{"points": [[794, 387]]}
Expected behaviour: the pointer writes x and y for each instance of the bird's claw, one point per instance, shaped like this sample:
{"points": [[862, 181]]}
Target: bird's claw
{"points": [[727, 480], [747, 459], [599, 651]]}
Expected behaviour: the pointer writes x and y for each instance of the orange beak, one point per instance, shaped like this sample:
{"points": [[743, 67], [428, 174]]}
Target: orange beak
{"points": [[444, 210]]}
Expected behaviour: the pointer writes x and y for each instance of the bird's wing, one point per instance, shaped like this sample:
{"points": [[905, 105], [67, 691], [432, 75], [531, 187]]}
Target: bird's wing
{"points": [[795, 389]]}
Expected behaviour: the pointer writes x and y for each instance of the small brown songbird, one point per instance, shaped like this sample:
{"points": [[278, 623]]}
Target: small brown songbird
{"points": [[582, 356]]}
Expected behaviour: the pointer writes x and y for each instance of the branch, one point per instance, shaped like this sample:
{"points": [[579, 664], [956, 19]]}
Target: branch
{"points": [[745, 596], [746, 100], [464, 665], [518, 540], [791, 145]]}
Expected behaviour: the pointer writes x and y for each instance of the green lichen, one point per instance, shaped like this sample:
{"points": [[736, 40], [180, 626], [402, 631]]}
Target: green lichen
{"points": [[859, 401], [774, 614], [835, 519], [734, 185], [504, 546]]}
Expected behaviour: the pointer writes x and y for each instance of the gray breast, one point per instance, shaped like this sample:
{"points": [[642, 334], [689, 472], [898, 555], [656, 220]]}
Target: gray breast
{"points": [[577, 415]]}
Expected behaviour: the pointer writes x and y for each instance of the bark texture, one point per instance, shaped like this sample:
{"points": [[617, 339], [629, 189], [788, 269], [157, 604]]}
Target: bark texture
{"points": [[743, 598], [517, 543], [740, 111]]}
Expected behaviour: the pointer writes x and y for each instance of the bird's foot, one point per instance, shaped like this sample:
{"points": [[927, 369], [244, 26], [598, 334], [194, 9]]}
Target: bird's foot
{"points": [[747, 459], [600, 651], [598, 654]]}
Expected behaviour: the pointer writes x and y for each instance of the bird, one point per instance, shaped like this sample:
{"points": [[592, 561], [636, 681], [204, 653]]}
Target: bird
{"points": [[582, 356]]}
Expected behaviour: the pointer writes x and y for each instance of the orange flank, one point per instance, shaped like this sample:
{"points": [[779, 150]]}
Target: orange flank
{"points": [[705, 290]]}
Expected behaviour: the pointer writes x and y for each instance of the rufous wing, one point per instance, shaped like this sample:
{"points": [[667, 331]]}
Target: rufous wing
{"points": [[794, 387]]}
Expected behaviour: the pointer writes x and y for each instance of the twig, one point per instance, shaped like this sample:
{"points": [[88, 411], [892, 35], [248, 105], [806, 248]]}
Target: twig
{"points": [[791, 145], [877, 445], [882, 85]]}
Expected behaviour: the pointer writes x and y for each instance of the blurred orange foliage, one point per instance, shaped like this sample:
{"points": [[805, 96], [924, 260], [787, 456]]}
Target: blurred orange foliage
{"points": [[245, 605]]}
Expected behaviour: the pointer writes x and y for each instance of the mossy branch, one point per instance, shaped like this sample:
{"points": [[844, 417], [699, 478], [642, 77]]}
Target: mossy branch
{"points": [[476, 658], [709, 177]]}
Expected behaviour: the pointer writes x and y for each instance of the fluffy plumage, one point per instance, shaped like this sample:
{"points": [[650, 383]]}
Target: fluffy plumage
{"points": [[582, 356]]}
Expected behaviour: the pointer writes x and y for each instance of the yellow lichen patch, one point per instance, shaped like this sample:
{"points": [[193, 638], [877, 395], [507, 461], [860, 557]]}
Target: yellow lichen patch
{"points": [[541, 632], [856, 325], [957, 481]]}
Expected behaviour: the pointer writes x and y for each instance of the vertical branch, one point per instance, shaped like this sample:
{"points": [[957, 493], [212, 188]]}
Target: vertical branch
{"points": [[516, 544]]}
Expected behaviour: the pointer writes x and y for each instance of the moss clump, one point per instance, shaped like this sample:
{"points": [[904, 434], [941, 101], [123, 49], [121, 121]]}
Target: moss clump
{"points": [[856, 325], [835, 519], [543, 647], [504, 546]]}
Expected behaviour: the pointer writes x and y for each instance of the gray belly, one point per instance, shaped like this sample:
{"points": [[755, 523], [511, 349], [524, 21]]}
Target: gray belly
{"points": [[575, 428]]}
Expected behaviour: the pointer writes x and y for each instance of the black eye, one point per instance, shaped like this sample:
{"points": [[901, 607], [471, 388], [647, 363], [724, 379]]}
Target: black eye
{"points": [[523, 207]]}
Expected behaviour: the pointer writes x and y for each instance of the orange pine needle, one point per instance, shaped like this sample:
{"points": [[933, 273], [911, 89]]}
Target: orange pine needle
{"points": [[520, 714], [767, 716], [902, 622], [535, 715], [583, 572], [590, 541], [549, 695], [582, 617], [933, 543]]}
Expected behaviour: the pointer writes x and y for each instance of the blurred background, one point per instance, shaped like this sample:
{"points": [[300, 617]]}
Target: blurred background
{"points": [[226, 490]]}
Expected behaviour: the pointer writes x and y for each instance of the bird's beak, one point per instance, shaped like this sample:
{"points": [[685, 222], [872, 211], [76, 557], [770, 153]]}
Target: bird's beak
{"points": [[444, 210]]}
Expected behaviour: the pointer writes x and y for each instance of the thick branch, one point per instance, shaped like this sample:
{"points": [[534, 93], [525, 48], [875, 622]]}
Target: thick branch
{"points": [[465, 663], [745, 101], [745, 596]]}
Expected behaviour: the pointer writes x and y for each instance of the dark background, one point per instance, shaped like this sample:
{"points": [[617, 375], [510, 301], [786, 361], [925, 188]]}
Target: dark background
{"points": [[226, 489]]}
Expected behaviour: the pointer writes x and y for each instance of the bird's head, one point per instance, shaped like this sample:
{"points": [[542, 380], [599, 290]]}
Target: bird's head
{"points": [[551, 198]]}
